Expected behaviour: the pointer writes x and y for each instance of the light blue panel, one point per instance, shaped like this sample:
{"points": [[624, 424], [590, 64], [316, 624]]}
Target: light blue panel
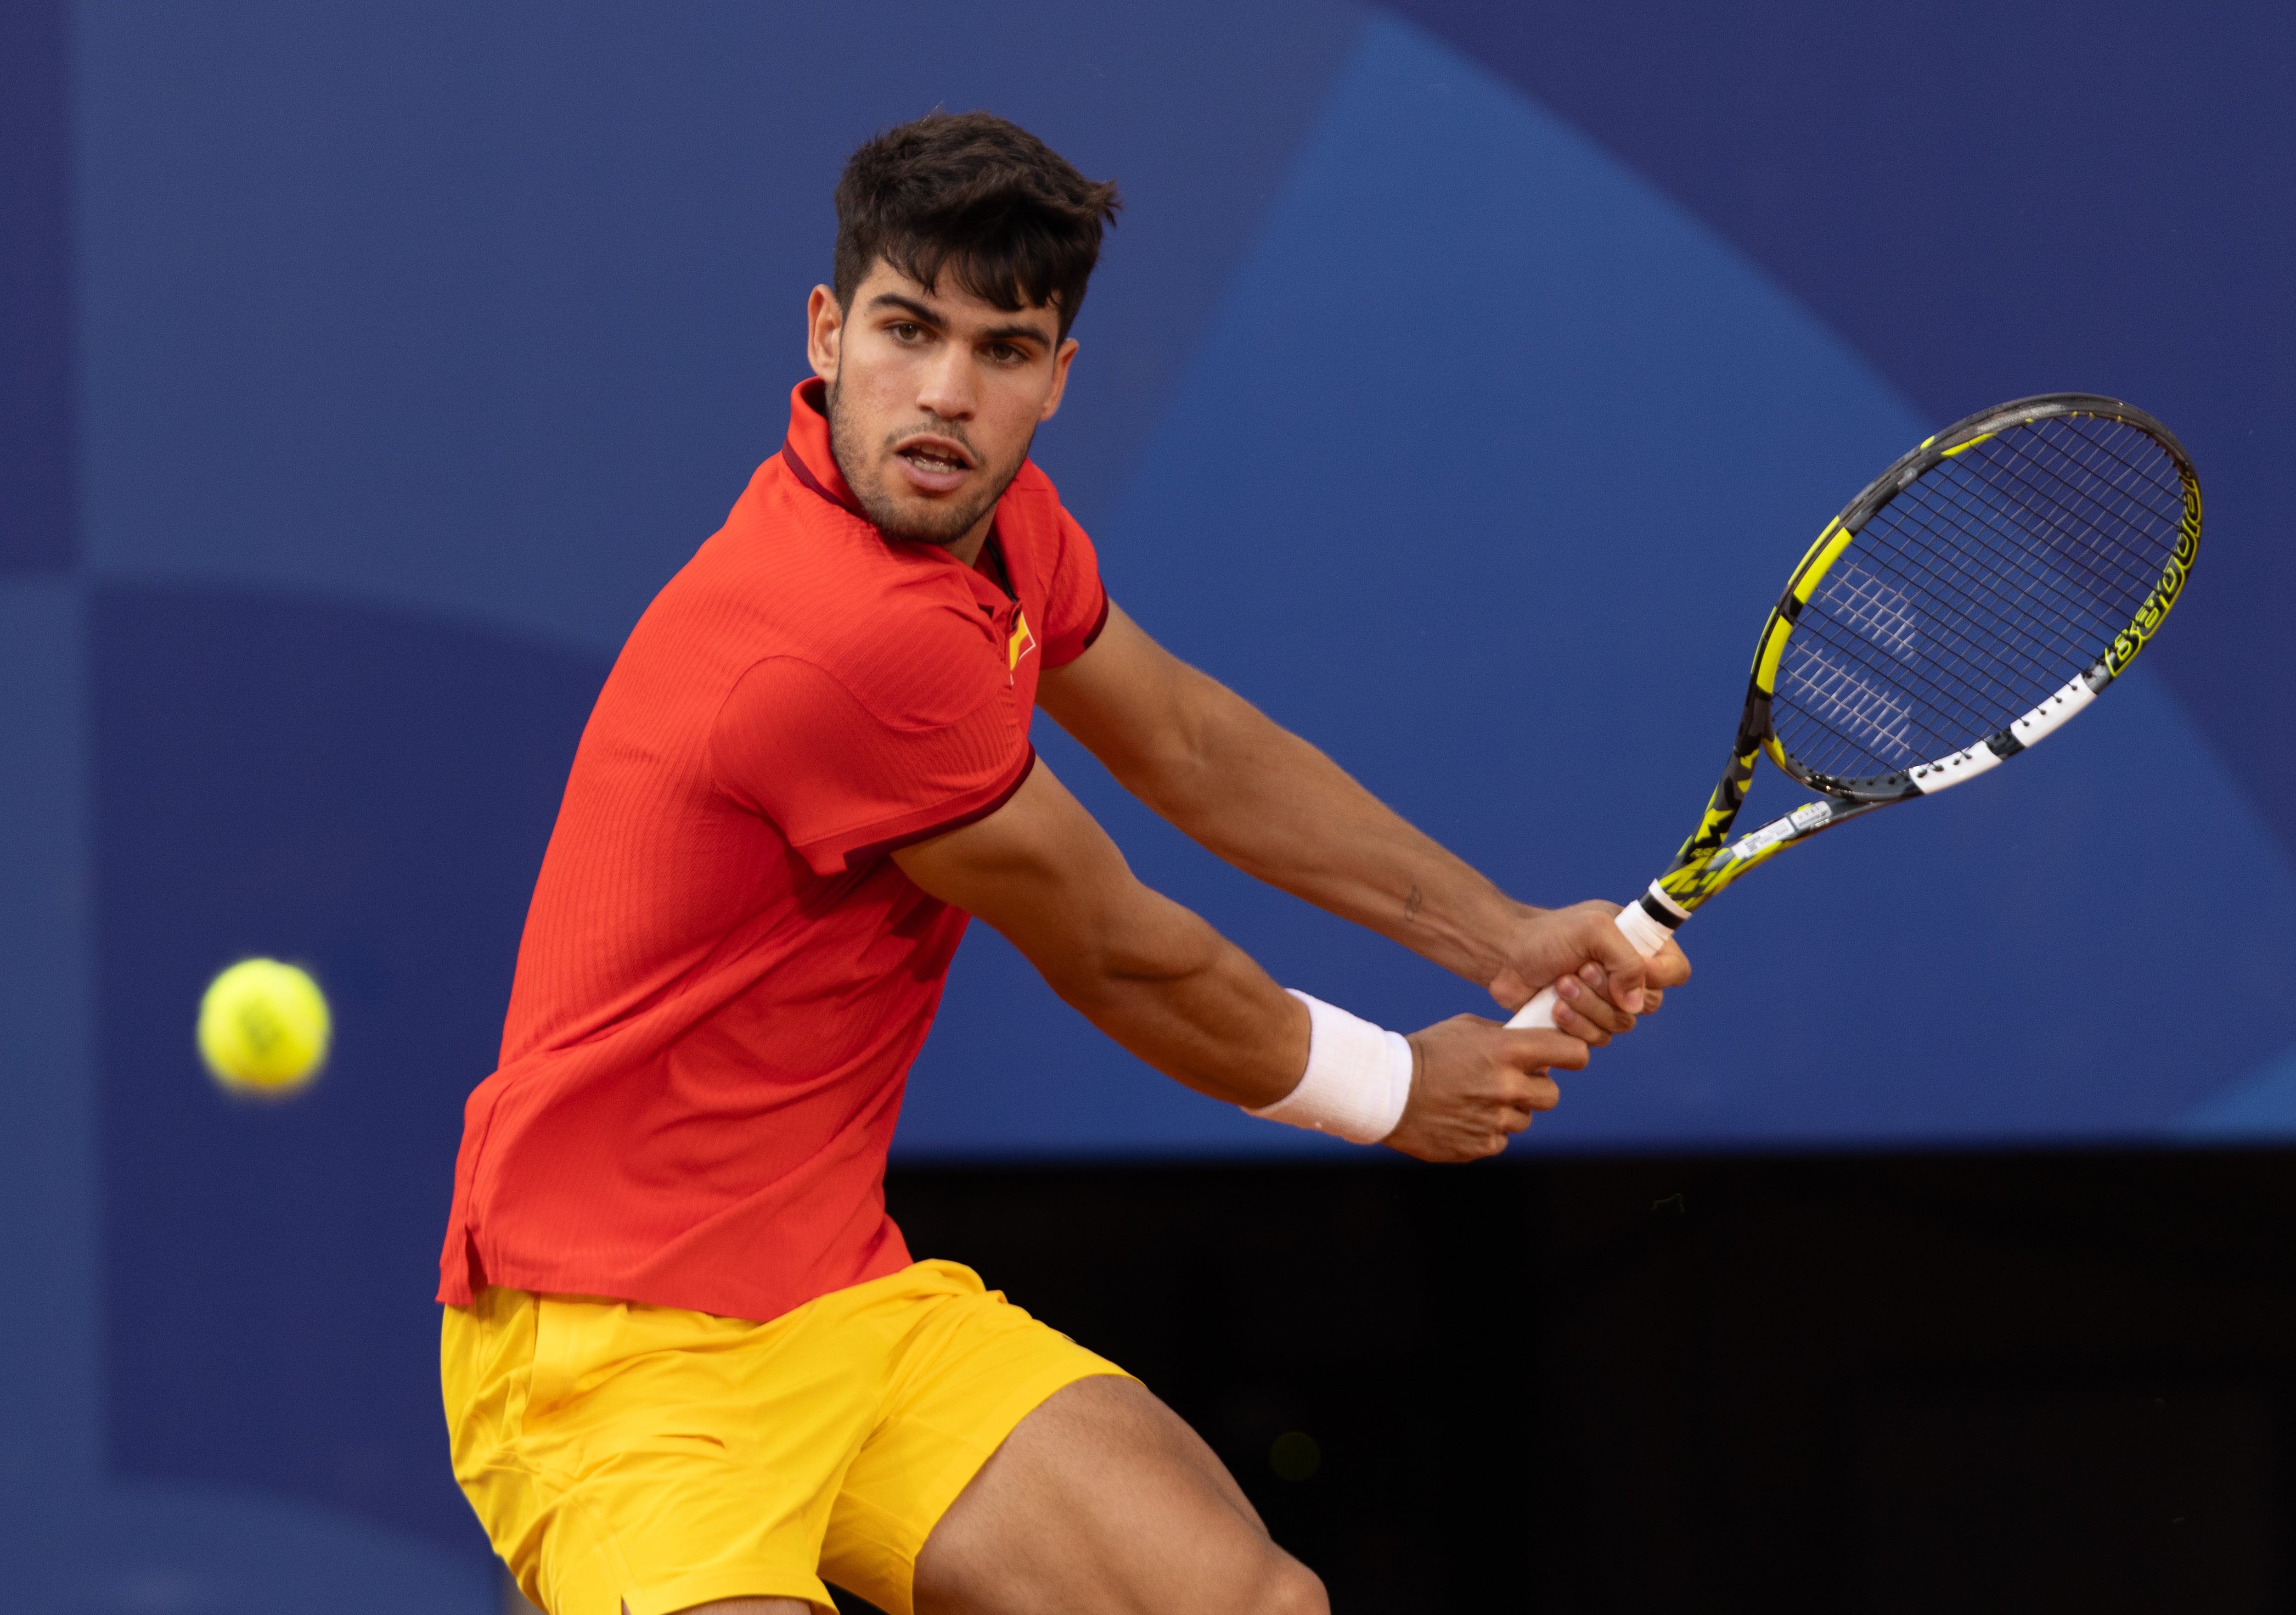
{"points": [[1484, 480], [2259, 1109]]}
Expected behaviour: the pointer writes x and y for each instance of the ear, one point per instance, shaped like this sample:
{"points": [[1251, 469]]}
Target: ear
{"points": [[825, 332], [1061, 354]]}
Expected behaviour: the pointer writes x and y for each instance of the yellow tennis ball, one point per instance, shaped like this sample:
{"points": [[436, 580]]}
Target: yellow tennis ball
{"points": [[263, 1027]]}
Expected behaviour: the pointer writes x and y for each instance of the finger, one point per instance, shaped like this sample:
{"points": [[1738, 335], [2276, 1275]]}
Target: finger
{"points": [[1539, 1093], [1589, 1008], [1520, 1096], [1545, 1094], [1569, 1020], [1532, 1050], [1668, 967], [1607, 946]]}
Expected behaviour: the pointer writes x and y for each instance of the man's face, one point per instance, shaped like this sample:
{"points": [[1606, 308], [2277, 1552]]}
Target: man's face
{"points": [[933, 399]]}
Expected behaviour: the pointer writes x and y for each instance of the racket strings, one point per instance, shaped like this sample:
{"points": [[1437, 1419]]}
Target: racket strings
{"points": [[1975, 506], [2113, 573], [2030, 474], [1976, 594], [1999, 657], [1843, 666], [2060, 622], [1998, 671]]}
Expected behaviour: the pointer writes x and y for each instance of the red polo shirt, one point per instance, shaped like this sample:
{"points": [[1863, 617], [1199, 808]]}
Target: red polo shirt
{"points": [[723, 979]]}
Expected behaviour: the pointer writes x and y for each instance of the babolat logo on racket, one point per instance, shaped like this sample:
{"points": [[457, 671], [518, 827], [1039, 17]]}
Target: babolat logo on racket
{"points": [[1966, 603], [2132, 639]]}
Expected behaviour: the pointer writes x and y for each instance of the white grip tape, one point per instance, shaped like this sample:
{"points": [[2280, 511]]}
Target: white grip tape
{"points": [[1357, 1081], [1637, 927]]}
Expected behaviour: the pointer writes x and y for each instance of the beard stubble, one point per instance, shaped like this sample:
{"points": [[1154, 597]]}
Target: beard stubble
{"points": [[938, 523]]}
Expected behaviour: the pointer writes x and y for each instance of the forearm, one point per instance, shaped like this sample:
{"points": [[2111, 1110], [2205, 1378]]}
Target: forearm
{"points": [[1278, 808], [1160, 981], [1145, 970]]}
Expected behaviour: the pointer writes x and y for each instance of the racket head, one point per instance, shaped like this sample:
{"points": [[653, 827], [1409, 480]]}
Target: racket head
{"points": [[1974, 596]]}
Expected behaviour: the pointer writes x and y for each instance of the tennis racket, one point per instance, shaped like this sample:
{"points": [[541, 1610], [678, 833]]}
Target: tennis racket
{"points": [[1975, 596]]}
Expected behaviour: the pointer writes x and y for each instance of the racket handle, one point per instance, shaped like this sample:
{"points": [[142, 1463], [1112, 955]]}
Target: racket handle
{"points": [[1646, 934]]}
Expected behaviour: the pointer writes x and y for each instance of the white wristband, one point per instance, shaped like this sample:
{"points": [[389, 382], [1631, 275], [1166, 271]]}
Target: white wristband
{"points": [[1357, 1081]]}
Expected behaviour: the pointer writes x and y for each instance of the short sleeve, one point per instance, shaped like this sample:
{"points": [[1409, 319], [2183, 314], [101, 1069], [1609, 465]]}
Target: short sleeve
{"points": [[843, 782], [1076, 601]]}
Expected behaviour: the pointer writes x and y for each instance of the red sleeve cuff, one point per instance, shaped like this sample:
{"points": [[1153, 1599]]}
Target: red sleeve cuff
{"points": [[1083, 644], [866, 842]]}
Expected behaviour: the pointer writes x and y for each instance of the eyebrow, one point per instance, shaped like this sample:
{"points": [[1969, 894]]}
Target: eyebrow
{"points": [[926, 316]]}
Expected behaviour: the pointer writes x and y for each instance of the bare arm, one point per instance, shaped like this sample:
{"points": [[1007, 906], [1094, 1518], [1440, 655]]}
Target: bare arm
{"points": [[1162, 982], [1280, 810]]}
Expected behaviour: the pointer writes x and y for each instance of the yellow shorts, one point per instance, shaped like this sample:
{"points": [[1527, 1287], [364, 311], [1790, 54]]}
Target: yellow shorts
{"points": [[626, 1454]]}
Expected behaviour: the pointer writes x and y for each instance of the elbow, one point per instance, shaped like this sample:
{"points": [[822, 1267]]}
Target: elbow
{"points": [[1147, 945], [1179, 783], [1098, 982]]}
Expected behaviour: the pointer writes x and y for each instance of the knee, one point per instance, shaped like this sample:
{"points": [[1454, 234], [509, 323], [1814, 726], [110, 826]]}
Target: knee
{"points": [[1289, 1587]]}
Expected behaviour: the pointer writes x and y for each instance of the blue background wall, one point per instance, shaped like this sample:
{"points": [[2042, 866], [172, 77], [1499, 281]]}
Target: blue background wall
{"points": [[365, 369]]}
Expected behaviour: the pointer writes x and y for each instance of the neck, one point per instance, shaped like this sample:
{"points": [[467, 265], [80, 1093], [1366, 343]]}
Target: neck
{"points": [[967, 549]]}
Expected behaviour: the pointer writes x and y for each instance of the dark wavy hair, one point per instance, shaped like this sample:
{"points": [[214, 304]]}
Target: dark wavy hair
{"points": [[982, 199]]}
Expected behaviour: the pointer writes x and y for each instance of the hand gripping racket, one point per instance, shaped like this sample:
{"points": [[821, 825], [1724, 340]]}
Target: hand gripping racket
{"points": [[1978, 594]]}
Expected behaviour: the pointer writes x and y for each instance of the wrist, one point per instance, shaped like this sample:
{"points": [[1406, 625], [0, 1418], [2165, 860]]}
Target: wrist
{"points": [[1357, 1080], [1511, 939], [1472, 932]]}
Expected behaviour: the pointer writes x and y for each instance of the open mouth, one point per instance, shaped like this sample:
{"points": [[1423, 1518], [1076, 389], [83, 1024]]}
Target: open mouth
{"points": [[934, 466], [936, 459]]}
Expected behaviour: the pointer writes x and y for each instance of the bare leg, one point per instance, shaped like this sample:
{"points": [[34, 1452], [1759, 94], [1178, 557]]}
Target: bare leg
{"points": [[1103, 1500]]}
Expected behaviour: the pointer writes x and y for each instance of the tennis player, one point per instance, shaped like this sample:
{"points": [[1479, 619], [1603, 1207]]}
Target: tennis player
{"points": [[688, 1361]]}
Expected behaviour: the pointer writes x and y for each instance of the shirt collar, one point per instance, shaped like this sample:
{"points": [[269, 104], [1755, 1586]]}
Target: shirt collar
{"points": [[805, 452], [807, 449]]}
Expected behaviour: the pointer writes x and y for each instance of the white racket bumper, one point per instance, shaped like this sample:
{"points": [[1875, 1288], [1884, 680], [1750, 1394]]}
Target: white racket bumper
{"points": [[2042, 720], [2032, 729], [1930, 778], [1633, 923]]}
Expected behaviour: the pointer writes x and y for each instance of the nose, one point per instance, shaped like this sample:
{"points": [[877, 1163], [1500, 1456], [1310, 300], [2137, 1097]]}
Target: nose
{"points": [[946, 387]]}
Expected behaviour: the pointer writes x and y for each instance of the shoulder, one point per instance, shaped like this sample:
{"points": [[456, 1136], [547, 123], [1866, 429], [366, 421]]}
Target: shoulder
{"points": [[1030, 517], [793, 576], [917, 659]]}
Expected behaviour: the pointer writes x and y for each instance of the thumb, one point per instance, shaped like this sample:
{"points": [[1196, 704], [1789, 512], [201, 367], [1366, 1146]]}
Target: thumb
{"points": [[1610, 948]]}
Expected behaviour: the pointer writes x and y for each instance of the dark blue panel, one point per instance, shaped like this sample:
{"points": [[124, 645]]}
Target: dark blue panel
{"points": [[1992, 200], [36, 469], [370, 794], [493, 309]]}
